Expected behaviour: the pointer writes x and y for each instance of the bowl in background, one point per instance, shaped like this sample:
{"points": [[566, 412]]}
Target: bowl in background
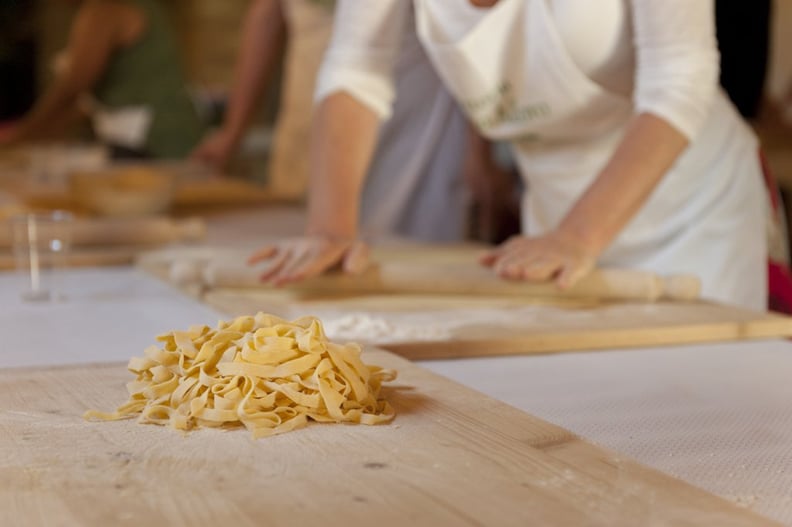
{"points": [[123, 191]]}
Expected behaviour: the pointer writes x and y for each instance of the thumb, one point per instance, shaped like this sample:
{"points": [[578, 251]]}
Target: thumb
{"points": [[570, 275], [356, 259]]}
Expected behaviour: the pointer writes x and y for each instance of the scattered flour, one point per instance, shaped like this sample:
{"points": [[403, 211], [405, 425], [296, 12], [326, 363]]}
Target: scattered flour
{"points": [[391, 327], [364, 326]]}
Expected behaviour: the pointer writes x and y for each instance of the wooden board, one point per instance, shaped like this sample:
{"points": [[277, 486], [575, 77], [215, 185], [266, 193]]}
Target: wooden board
{"points": [[488, 326], [188, 196], [197, 187], [85, 257], [451, 457], [222, 192], [147, 233], [549, 324]]}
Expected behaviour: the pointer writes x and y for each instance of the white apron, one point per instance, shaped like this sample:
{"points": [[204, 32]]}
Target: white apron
{"points": [[515, 79], [127, 127]]}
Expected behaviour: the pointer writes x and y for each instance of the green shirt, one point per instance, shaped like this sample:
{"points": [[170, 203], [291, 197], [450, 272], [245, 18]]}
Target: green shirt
{"points": [[148, 73]]}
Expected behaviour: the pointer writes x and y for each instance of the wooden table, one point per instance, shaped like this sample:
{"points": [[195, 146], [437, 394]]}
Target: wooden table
{"points": [[451, 457]]}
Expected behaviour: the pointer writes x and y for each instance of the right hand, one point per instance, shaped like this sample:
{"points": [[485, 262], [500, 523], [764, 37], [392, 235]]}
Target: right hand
{"points": [[298, 259], [216, 150]]}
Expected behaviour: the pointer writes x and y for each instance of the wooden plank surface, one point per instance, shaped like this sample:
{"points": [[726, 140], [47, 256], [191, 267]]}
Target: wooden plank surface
{"points": [[99, 242], [197, 187], [85, 257], [440, 327], [189, 196], [148, 232], [451, 457], [222, 192]]}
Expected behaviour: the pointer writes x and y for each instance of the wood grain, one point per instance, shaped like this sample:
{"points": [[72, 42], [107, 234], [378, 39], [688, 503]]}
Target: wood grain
{"points": [[86, 257], [144, 231], [541, 326], [452, 457], [221, 192]]}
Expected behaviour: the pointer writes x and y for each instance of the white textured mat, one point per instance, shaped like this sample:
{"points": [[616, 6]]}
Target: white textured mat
{"points": [[718, 416], [110, 314]]}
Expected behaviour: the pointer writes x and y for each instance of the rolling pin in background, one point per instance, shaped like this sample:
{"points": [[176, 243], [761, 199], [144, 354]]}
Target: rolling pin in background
{"points": [[128, 231], [87, 257], [449, 278]]}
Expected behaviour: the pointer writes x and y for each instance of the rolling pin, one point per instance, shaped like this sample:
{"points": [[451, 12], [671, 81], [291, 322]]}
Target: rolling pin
{"points": [[127, 231], [450, 278], [90, 257]]}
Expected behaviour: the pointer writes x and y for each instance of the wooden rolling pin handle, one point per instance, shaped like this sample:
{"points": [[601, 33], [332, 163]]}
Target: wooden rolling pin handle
{"points": [[619, 284], [681, 287]]}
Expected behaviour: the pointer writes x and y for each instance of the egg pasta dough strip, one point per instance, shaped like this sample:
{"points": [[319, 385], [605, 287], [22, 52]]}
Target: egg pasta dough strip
{"points": [[268, 374]]}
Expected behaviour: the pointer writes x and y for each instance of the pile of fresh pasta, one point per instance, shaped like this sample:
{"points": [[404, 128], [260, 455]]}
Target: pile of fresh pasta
{"points": [[264, 372]]}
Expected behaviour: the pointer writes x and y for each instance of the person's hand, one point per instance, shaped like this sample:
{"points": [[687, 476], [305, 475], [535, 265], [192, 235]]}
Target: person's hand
{"points": [[216, 150], [552, 256], [297, 259]]}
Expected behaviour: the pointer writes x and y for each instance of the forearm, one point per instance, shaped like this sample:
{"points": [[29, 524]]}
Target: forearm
{"points": [[262, 42], [649, 149], [343, 140]]}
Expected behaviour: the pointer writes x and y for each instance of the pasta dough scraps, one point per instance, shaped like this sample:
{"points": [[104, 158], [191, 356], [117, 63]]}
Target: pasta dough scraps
{"points": [[264, 372]]}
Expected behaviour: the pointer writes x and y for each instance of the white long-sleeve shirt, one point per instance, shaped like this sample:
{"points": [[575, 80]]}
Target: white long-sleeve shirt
{"points": [[661, 53]]}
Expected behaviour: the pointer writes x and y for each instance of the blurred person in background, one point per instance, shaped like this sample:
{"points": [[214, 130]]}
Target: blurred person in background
{"points": [[415, 185], [122, 67]]}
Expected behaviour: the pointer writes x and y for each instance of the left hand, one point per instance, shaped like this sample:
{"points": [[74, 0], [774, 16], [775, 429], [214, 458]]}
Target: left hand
{"points": [[297, 259], [552, 256]]}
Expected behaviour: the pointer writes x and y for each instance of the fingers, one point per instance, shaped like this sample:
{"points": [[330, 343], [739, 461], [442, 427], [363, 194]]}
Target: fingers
{"points": [[262, 254], [489, 258], [539, 259], [519, 266], [572, 274], [356, 260], [276, 257], [305, 264], [213, 152], [302, 258], [274, 266]]}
